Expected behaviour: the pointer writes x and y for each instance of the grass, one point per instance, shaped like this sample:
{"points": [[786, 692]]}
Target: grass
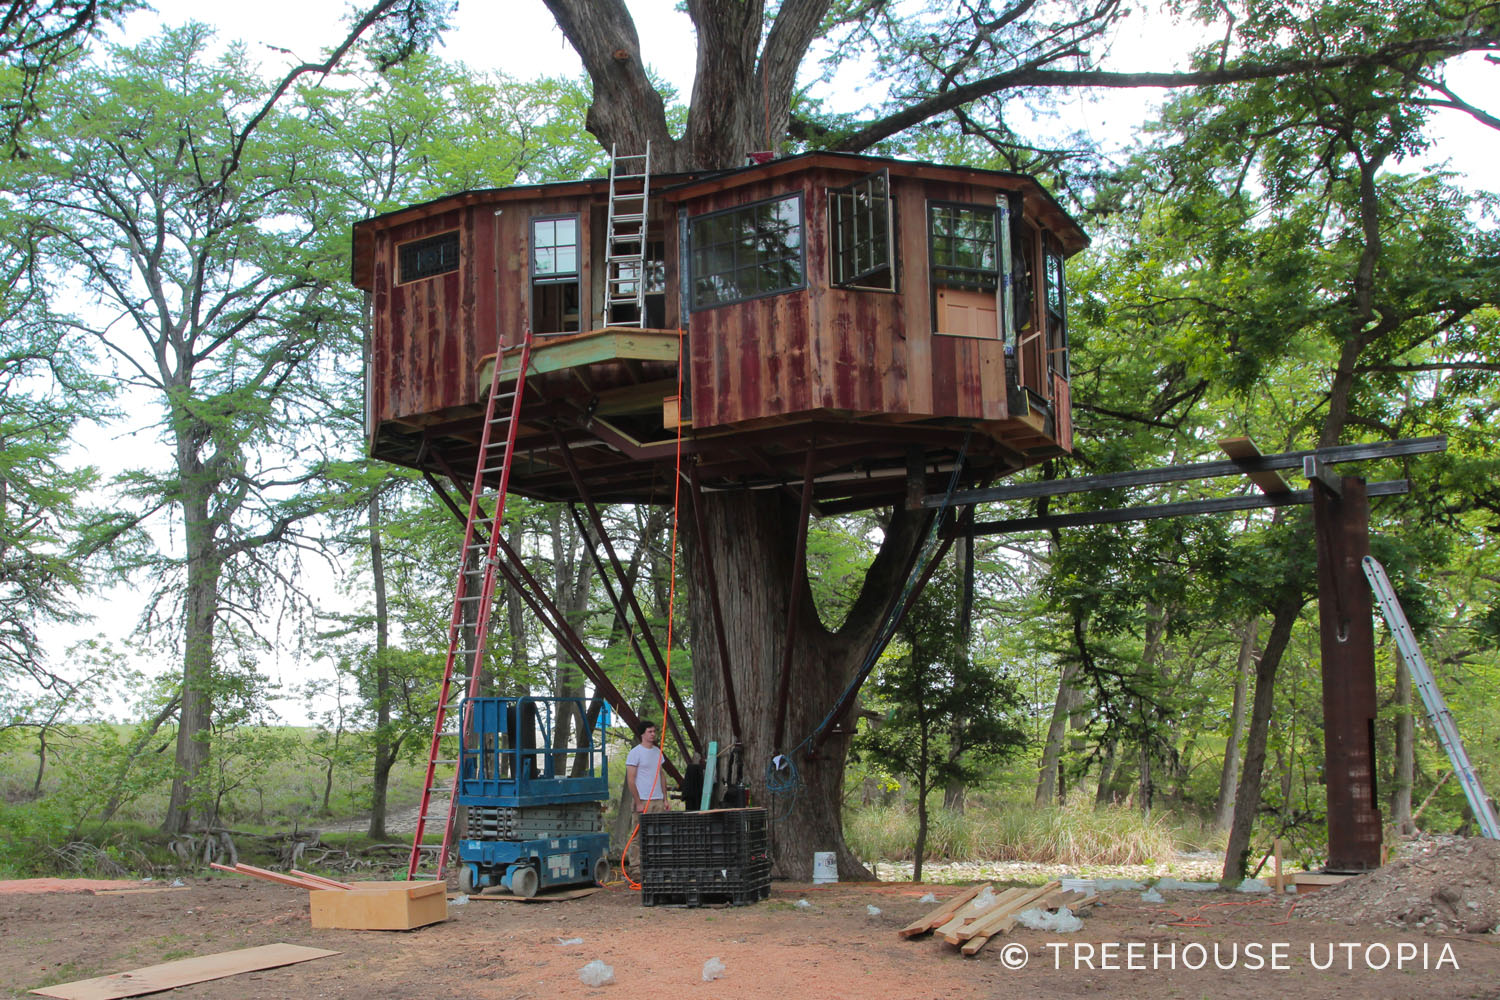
{"points": [[1077, 835]]}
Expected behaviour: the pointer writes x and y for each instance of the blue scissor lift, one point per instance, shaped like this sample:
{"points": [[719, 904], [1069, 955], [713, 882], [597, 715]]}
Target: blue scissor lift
{"points": [[533, 779]]}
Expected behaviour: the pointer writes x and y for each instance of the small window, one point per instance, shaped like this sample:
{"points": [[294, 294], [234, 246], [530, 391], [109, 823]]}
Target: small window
{"points": [[555, 293], [860, 231], [426, 258], [963, 246], [747, 252], [554, 249]]}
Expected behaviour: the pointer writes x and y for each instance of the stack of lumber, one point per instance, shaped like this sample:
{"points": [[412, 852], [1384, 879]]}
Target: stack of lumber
{"points": [[968, 922]]}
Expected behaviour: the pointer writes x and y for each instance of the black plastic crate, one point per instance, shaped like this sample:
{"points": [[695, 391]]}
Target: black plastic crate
{"points": [[688, 858], [701, 897]]}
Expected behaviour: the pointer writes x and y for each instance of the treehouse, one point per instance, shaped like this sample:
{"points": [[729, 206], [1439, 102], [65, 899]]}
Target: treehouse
{"points": [[849, 321]]}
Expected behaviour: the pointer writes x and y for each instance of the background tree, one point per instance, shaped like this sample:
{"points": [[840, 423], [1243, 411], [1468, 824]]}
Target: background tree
{"points": [[947, 717]]}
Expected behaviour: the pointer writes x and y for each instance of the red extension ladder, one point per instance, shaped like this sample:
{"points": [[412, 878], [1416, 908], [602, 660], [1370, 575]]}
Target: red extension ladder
{"points": [[497, 446]]}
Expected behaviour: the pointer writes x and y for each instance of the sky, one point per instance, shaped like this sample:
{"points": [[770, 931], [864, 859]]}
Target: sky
{"points": [[520, 38]]}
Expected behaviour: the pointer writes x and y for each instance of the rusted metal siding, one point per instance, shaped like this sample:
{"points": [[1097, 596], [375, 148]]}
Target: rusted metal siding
{"points": [[858, 350], [429, 335]]}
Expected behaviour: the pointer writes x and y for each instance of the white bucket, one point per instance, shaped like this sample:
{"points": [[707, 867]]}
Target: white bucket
{"points": [[825, 867]]}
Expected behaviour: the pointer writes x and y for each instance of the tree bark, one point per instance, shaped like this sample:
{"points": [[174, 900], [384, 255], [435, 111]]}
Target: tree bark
{"points": [[187, 801], [1247, 797], [750, 542], [1229, 777], [1062, 706], [385, 753]]}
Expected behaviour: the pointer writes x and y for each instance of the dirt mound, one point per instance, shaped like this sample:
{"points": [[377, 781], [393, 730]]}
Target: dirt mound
{"points": [[1445, 886]]}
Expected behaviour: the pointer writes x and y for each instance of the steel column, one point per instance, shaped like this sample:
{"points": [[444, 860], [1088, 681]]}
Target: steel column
{"points": [[1347, 639], [628, 591]]}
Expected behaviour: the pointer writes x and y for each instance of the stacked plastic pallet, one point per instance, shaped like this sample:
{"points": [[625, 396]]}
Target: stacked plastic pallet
{"points": [[693, 858]]}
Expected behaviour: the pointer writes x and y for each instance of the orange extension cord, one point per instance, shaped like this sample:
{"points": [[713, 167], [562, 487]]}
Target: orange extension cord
{"points": [[666, 694]]}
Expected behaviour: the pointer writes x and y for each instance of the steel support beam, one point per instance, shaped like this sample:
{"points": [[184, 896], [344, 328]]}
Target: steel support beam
{"points": [[1341, 521], [624, 618], [1198, 470], [1119, 515], [629, 591]]}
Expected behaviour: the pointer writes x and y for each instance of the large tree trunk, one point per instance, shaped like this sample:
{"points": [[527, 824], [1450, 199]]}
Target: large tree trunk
{"points": [[1062, 707], [201, 611], [1229, 777], [751, 539], [1247, 799]]}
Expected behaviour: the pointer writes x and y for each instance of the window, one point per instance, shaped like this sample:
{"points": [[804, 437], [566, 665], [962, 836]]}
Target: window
{"points": [[1057, 311], [965, 275], [746, 252], [963, 246], [860, 230], [554, 274], [554, 249], [427, 257]]}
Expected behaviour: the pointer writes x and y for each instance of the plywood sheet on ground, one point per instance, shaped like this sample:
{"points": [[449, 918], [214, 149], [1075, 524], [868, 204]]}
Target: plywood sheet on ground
{"points": [[184, 972], [65, 884]]}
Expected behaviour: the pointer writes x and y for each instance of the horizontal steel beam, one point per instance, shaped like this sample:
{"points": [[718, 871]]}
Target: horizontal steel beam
{"points": [[1119, 515], [1198, 470]]}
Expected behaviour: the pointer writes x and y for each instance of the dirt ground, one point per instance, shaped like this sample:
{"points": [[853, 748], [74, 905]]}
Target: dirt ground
{"points": [[775, 949]]}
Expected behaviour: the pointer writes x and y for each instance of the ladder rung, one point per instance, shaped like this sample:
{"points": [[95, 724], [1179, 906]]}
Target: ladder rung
{"points": [[630, 217]]}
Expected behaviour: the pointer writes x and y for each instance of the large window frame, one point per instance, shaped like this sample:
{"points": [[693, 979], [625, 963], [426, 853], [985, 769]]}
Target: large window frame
{"points": [[428, 256], [862, 234], [722, 255]]}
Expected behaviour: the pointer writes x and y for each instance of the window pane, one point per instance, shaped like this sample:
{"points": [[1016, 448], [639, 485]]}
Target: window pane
{"points": [[427, 257], [963, 239], [750, 251]]}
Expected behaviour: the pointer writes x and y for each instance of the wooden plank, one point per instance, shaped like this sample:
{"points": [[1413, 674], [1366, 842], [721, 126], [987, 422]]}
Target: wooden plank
{"points": [[999, 923], [327, 883], [269, 876], [184, 972], [1269, 480], [1001, 916], [940, 915], [971, 913]]}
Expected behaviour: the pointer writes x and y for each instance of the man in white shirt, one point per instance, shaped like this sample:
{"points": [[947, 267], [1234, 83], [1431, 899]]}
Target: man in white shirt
{"points": [[643, 773]]}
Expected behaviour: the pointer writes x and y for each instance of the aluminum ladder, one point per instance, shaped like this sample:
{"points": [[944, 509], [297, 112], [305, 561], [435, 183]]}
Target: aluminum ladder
{"points": [[1437, 707], [482, 531], [625, 239]]}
